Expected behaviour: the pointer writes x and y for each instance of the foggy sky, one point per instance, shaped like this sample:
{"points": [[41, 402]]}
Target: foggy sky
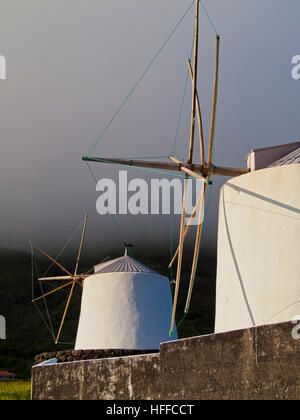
{"points": [[70, 63]]}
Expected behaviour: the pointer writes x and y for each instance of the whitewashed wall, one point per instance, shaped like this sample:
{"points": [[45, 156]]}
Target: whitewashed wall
{"points": [[124, 311], [258, 275]]}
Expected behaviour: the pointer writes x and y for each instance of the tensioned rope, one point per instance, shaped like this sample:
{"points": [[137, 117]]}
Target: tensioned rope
{"points": [[112, 215], [141, 77], [166, 173], [182, 103], [209, 18], [64, 248], [135, 87], [34, 265]]}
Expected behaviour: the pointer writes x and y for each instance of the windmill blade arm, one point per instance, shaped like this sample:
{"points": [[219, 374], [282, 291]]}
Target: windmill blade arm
{"points": [[214, 104], [59, 278], [225, 171], [200, 125], [194, 80], [53, 260], [187, 229], [186, 170], [196, 252], [180, 254], [193, 174], [52, 291], [168, 166], [173, 159], [65, 313]]}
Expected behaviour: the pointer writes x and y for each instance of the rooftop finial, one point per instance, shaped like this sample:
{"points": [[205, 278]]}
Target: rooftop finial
{"points": [[126, 248]]}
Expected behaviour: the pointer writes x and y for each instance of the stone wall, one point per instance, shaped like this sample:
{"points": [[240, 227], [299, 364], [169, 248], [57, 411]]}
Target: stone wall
{"points": [[124, 378], [257, 363], [79, 355]]}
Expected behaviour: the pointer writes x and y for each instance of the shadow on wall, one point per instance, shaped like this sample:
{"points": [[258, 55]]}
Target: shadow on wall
{"points": [[264, 198], [236, 263]]}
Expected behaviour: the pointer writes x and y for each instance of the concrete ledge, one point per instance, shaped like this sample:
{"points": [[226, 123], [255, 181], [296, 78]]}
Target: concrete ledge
{"points": [[79, 355], [257, 363], [126, 378]]}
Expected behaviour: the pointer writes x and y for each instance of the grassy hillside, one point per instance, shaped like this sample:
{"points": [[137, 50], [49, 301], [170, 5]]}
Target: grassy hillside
{"points": [[27, 334], [15, 391]]}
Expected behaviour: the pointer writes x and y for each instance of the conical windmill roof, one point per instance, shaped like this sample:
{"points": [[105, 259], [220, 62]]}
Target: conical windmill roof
{"points": [[292, 158], [123, 264]]}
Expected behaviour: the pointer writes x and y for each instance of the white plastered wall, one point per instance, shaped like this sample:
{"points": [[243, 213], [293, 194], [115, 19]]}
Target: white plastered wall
{"points": [[124, 311], [258, 274]]}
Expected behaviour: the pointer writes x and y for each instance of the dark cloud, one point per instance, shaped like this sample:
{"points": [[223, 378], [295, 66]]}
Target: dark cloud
{"points": [[70, 64]]}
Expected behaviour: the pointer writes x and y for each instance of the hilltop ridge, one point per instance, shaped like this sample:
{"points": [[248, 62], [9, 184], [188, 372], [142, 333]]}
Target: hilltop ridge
{"points": [[27, 334]]}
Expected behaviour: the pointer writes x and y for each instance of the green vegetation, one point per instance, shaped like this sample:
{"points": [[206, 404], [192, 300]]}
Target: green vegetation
{"points": [[27, 334], [15, 391]]}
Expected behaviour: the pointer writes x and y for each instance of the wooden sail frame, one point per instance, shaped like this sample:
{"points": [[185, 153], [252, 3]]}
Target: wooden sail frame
{"points": [[202, 171], [75, 279]]}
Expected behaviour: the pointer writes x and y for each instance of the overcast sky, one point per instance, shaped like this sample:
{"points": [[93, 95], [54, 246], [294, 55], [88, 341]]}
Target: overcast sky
{"points": [[70, 63]]}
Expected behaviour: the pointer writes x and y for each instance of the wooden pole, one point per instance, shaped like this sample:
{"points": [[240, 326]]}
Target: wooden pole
{"points": [[169, 166], [214, 104], [200, 125], [193, 174], [209, 173], [226, 171], [196, 251], [187, 229], [60, 278], [195, 74], [81, 244], [166, 166], [53, 260], [180, 254], [179, 162], [65, 313], [186, 170], [52, 291]]}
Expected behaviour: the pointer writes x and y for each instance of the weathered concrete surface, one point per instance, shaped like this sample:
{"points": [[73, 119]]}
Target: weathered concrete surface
{"points": [[277, 375], [212, 367], [124, 378], [79, 355], [257, 363]]}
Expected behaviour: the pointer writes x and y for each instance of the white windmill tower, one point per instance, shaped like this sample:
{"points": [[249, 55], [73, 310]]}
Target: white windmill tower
{"points": [[125, 305]]}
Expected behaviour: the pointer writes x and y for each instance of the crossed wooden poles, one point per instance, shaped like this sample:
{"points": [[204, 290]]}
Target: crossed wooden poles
{"points": [[74, 278], [204, 171]]}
